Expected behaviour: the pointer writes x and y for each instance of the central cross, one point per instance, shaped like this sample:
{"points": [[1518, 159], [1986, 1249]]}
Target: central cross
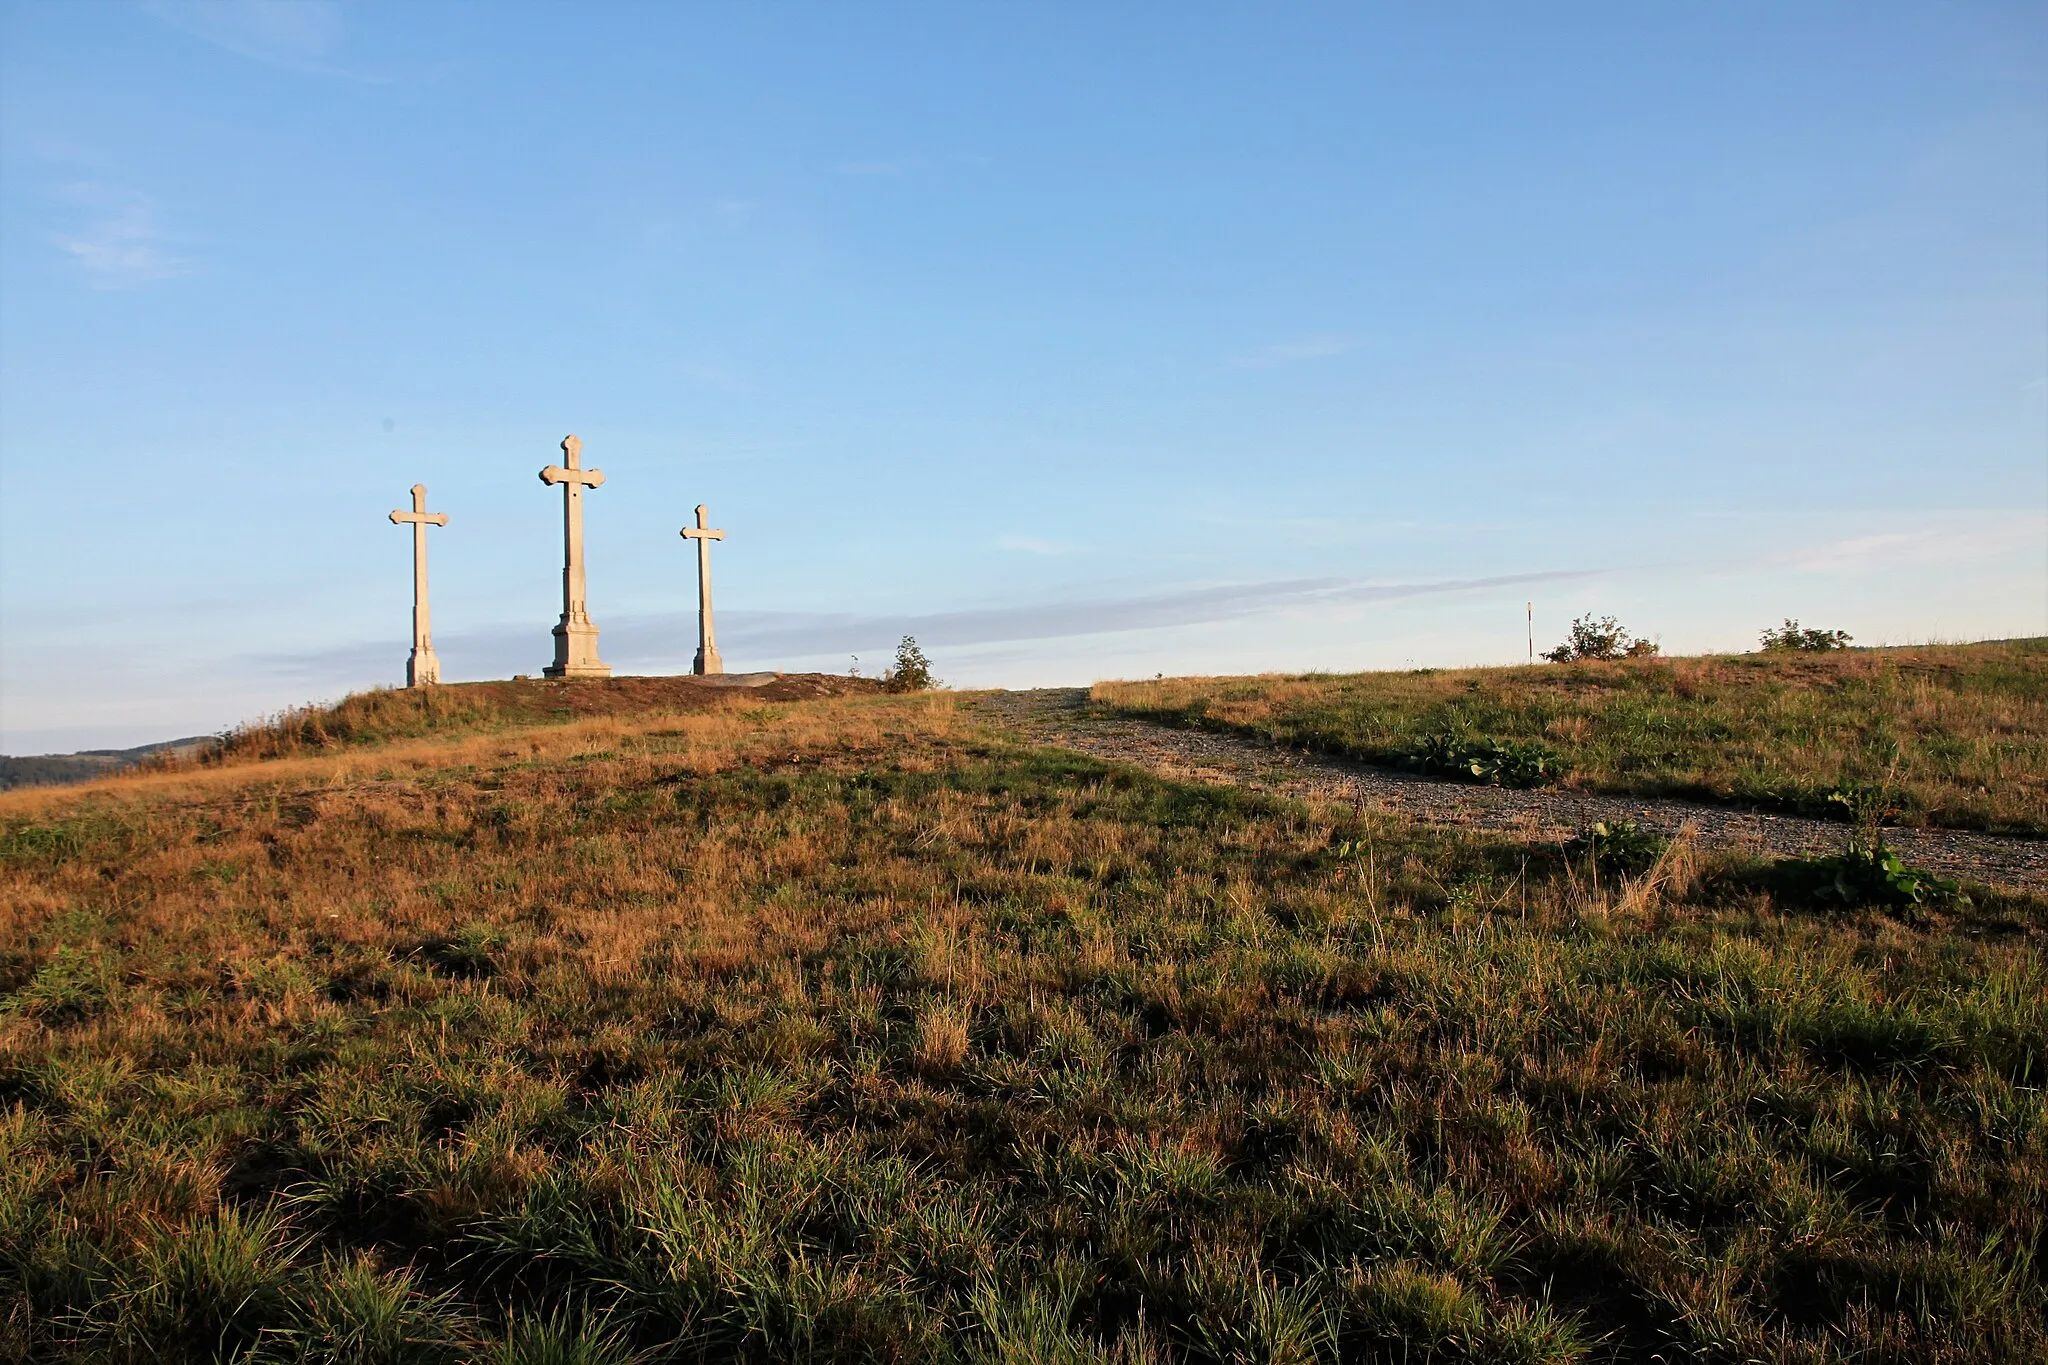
{"points": [[575, 636], [707, 644], [422, 669]]}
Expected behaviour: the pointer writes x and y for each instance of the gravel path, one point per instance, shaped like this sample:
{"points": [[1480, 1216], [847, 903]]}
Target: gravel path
{"points": [[1061, 715]]}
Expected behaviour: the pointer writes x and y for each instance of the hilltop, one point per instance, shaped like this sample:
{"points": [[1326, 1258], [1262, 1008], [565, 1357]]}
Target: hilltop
{"points": [[647, 1020], [384, 713]]}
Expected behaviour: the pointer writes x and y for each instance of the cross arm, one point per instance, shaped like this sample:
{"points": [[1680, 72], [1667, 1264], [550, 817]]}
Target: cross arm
{"points": [[430, 518], [699, 533], [554, 473]]}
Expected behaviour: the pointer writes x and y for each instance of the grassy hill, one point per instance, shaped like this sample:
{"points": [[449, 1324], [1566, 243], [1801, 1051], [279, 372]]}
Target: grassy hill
{"points": [[1959, 733], [854, 1029]]}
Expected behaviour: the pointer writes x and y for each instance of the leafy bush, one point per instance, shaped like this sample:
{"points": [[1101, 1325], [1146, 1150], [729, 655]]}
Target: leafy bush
{"points": [[1620, 846], [1790, 638], [1501, 762], [1600, 638], [912, 671]]}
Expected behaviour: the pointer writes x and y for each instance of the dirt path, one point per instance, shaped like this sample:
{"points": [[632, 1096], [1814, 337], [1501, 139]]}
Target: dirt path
{"points": [[1062, 716]]}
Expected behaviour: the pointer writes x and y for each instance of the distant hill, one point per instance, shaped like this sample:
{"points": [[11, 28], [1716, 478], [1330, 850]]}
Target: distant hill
{"points": [[57, 770]]}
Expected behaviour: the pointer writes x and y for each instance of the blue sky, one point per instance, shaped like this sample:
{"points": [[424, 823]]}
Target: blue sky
{"points": [[1078, 340]]}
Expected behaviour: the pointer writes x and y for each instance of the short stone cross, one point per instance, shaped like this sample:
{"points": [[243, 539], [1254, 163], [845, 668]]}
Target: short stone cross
{"points": [[707, 643], [422, 669], [575, 636]]}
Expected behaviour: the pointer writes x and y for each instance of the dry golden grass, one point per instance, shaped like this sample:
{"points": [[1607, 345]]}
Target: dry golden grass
{"points": [[1958, 732], [847, 1029]]}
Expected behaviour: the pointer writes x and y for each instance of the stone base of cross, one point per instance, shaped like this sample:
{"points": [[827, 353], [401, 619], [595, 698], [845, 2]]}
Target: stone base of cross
{"points": [[576, 652]]}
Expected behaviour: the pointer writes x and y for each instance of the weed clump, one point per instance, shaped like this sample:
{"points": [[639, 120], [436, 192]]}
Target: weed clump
{"points": [[1868, 872], [1496, 762], [1620, 846]]}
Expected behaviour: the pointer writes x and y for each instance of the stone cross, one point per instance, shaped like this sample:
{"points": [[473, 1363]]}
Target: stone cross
{"points": [[422, 669], [575, 636], [707, 643]]}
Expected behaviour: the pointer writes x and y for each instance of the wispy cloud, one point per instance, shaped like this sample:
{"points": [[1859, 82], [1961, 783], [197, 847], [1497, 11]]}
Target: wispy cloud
{"points": [[1034, 545], [655, 643], [1318, 347], [1930, 546], [294, 35], [121, 243]]}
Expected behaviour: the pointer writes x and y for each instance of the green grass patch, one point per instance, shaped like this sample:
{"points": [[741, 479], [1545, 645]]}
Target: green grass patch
{"points": [[1959, 733]]}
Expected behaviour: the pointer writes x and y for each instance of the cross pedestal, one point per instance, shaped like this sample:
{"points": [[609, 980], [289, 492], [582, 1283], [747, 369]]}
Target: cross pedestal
{"points": [[707, 642], [422, 669], [575, 636]]}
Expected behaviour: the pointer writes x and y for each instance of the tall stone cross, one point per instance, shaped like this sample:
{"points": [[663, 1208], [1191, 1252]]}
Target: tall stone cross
{"points": [[575, 636], [422, 669], [707, 643]]}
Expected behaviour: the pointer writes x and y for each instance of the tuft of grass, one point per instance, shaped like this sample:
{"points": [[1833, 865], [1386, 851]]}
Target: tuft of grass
{"points": [[1959, 732], [847, 1029], [71, 987]]}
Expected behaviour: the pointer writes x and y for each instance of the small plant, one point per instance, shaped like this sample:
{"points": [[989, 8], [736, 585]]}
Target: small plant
{"points": [[1518, 763], [1869, 805], [1500, 762], [1440, 754], [1601, 638], [1790, 638], [1620, 846], [1870, 872], [1878, 876], [912, 671]]}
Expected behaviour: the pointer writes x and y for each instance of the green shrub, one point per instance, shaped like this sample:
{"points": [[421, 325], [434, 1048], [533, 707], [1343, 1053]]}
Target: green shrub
{"points": [[1790, 638], [912, 671], [1601, 637]]}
